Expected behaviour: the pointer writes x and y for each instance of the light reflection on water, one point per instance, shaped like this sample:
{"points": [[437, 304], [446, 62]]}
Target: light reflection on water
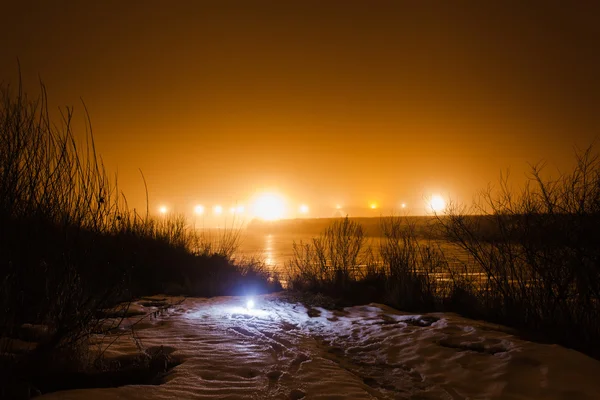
{"points": [[268, 252], [274, 249]]}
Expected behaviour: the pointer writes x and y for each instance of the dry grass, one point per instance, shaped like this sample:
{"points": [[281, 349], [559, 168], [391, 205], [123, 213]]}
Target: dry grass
{"points": [[533, 259], [70, 246]]}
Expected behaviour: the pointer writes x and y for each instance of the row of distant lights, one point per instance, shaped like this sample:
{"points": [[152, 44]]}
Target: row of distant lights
{"points": [[218, 209], [374, 206]]}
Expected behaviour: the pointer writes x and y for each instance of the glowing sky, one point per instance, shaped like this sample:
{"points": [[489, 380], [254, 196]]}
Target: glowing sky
{"points": [[326, 102]]}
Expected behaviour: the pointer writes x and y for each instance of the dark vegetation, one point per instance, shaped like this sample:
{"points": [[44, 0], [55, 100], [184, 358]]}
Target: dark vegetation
{"points": [[531, 259], [71, 248]]}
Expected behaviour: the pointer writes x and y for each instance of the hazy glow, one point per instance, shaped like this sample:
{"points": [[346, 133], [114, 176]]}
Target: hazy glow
{"points": [[199, 209], [237, 210], [218, 209], [338, 207], [163, 209], [437, 203], [269, 206], [400, 100], [373, 206], [303, 209], [250, 304], [403, 205]]}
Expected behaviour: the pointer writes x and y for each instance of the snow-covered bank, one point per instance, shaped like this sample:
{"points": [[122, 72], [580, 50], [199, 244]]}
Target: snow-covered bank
{"points": [[277, 350]]}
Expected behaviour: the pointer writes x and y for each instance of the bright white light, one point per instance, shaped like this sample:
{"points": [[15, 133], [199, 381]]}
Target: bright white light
{"points": [[304, 209], [373, 206], [403, 205], [199, 209], [269, 206], [255, 312], [437, 203], [163, 209], [218, 209], [250, 304]]}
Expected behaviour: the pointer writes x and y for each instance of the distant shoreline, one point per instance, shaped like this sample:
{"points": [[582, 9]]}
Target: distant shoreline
{"points": [[315, 226]]}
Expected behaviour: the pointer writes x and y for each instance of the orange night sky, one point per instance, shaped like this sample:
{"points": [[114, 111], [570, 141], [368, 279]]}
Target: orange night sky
{"points": [[325, 102]]}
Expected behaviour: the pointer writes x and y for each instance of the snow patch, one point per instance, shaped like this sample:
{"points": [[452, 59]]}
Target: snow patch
{"points": [[278, 351]]}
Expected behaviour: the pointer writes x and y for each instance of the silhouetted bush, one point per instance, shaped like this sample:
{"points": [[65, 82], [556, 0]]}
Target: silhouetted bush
{"points": [[341, 263], [70, 247], [533, 259], [411, 266], [334, 259], [542, 264]]}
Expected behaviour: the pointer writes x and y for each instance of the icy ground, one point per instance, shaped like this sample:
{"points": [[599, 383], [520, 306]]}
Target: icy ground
{"points": [[279, 351]]}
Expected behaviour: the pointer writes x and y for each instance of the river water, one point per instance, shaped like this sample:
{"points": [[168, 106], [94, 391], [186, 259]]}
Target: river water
{"points": [[276, 249]]}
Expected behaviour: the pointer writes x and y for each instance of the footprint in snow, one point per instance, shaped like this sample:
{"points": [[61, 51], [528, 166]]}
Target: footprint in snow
{"points": [[274, 375], [300, 358], [286, 326], [242, 331], [313, 312]]}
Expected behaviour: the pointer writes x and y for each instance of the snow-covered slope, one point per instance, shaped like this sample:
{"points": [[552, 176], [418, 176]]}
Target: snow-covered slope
{"points": [[278, 351]]}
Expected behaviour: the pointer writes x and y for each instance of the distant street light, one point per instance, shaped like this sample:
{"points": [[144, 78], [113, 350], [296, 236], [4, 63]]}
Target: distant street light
{"points": [[437, 203]]}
